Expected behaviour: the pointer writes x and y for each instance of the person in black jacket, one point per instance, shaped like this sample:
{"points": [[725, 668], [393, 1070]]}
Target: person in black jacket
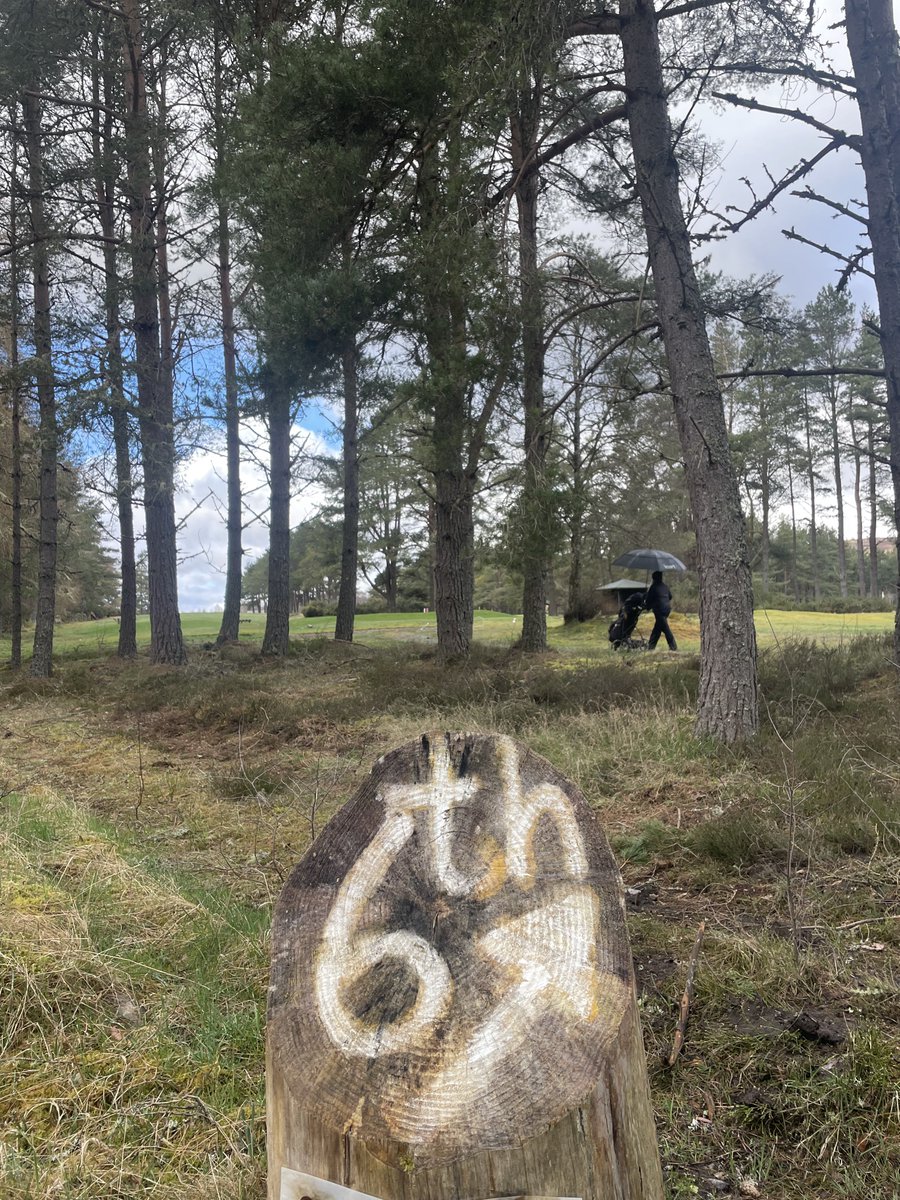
{"points": [[659, 601]]}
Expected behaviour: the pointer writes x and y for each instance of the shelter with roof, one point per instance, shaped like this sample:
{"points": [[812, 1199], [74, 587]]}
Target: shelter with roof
{"points": [[613, 595]]}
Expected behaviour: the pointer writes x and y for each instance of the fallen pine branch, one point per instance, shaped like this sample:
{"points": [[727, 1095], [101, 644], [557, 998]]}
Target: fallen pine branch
{"points": [[686, 998]]}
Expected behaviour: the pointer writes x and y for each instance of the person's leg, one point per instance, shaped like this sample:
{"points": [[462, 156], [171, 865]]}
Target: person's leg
{"points": [[670, 637], [655, 635]]}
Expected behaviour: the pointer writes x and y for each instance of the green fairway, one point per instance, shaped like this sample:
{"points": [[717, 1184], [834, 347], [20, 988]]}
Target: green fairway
{"points": [[833, 628], [87, 638], [101, 636]]}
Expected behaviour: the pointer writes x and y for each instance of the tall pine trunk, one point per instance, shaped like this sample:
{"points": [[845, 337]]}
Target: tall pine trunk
{"points": [[276, 638], [838, 485], [390, 564], [765, 504], [874, 588], [105, 188], [535, 551], [155, 413], [15, 653], [579, 505], [42, 655], [728, 706], [452, 530], [872, 40], [813, 530], [793, 503], [454, 548], [765, 491], [858, 503], [229, 630], [346, 609], [158, 147]]}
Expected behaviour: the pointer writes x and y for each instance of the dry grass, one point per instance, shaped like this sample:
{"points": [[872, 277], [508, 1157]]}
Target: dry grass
{"points": [[129, 1060], [134, 912]]}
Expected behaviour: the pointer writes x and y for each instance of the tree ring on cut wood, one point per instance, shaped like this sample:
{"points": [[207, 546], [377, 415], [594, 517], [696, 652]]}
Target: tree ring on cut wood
{"points": [[450, 964]]}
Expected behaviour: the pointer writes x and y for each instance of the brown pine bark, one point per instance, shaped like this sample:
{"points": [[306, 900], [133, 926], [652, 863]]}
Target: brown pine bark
{"points": [[765, 486], [858, 504], [534, 538], [15, 654], [454, 550], [452, 1008], [872, 40], [229, 630], [811, 476], [158, 147], [795, 582], [105, 189], [155, 414], [576, 532], [276, 639], [346, 608], [454, 476], [832, 398], [874, 588], [42, 654], [728, 708]]}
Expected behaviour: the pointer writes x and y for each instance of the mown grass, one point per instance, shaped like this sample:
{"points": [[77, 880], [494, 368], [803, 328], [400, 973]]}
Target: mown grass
{"points": [[87, 639], [133, 986]]}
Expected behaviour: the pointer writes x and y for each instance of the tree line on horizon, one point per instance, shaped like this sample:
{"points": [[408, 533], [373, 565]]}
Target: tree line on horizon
{"points": [[362, 204], [801, 448]]}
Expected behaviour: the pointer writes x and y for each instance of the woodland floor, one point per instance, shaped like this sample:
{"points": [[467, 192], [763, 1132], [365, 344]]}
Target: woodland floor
{"points": [[149, 816]]}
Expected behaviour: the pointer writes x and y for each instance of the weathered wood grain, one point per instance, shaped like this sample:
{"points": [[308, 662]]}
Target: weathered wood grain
{"points": [[451, 1008]]}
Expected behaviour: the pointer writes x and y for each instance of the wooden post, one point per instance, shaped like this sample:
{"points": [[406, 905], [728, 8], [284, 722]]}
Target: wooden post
{"points": [[452, 1012]]}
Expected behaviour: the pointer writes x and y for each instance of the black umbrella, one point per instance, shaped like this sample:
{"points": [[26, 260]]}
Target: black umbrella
{"points": [[650, 560]]}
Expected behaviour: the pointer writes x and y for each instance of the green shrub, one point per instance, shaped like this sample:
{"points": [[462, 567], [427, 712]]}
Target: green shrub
{"points": [[738, 837], [800, 670]]}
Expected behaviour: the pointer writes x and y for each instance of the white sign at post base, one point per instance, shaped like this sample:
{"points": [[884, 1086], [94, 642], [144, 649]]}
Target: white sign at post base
{"points": [[295, 1185]]}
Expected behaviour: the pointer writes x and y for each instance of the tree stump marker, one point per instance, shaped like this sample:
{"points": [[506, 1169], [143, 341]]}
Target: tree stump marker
{"points": [[452, 1010]]}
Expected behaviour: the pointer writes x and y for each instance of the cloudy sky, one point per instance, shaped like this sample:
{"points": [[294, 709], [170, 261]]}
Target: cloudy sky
{"points": [[750, 145], [201, 507]]}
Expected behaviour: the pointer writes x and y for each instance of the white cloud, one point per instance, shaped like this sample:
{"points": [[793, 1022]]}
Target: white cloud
{"points": [[201, 507]]}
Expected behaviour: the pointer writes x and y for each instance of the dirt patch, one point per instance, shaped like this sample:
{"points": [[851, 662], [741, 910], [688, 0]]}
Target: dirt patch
{"points": [[752, 1017], [653, 971]]}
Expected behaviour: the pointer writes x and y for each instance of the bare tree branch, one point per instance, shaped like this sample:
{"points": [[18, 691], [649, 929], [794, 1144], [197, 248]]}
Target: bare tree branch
{"points": [[852, 262], [759, 205], [678, 10], [808, 194], [555, 149], [594, 23], [600, 121], [845, 84], [604, 22], [853, 140], [51, 99], [803, 373], [108, 9]]}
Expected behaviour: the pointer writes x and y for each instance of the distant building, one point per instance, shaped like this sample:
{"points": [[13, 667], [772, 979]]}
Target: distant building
{"points": [[613, 595]]}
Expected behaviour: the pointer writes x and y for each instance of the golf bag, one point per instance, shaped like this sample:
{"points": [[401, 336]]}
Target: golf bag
{"points": [[624, 625]]}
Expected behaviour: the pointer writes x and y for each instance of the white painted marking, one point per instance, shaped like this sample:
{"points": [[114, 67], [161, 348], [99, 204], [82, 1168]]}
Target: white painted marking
{"points": [[523, 812], [345, 955], [552, 950], [439, 796]]}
